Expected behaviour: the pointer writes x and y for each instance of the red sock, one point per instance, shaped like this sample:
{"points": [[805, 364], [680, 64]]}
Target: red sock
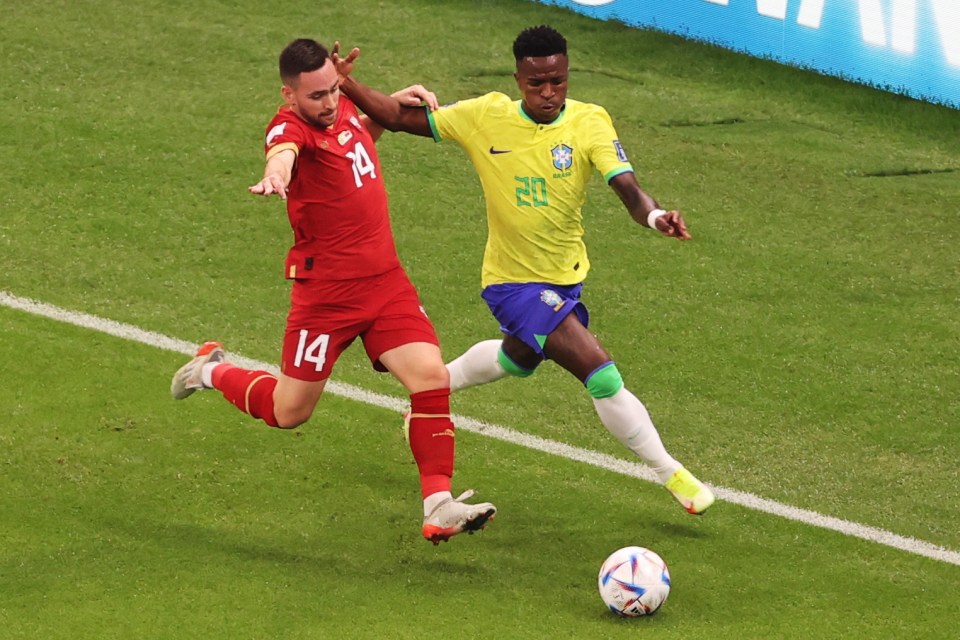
{"points": [[249, 391], [432, 439]]}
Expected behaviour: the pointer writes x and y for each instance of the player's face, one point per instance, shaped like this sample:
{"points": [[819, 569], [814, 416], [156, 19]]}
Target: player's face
{"points": [[314, 95], [543, 83]]}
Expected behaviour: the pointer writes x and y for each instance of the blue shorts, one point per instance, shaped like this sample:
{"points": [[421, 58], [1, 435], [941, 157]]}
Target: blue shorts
{"points": [[532, 310]]}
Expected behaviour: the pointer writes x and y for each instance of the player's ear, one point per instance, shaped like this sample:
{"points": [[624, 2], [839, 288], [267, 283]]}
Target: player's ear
{"points": [[287, 93]]}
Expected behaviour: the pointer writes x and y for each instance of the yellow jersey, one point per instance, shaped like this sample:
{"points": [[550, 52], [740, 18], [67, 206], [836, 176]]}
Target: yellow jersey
{"points": [[534, 178]]}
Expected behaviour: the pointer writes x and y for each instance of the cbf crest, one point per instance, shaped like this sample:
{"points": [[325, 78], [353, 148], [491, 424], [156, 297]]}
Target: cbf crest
{"points": [[562, 157], [551, 298]]}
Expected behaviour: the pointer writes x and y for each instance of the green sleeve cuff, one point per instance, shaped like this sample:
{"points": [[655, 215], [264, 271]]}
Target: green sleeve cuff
{"points": [[613, 174], [433, 125]]}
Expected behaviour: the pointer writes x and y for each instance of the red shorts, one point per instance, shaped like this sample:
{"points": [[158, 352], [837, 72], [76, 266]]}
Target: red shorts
{"points": [[327, 316]]}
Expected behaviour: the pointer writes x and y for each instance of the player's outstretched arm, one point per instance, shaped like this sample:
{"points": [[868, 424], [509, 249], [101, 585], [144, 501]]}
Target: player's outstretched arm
{"points": [[413, 96], [387, 111], [276, 175], [645, 210]]}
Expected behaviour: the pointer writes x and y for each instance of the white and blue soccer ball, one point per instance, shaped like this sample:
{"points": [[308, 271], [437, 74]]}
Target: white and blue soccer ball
{"points": [[634, 581]]}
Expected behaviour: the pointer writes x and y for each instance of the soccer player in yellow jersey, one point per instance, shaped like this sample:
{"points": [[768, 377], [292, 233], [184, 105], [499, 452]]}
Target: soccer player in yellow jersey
{"points": [[534, 157]]}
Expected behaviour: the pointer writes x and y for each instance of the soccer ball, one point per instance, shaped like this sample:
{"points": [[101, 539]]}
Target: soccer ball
{"points": [[634, 581]]}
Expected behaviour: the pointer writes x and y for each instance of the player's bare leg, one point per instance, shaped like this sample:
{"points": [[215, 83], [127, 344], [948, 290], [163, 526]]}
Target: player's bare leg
{"points": [[294, 400]]}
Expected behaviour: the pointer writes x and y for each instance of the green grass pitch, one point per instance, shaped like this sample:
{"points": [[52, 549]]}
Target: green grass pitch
{"points": [[802, 348]]}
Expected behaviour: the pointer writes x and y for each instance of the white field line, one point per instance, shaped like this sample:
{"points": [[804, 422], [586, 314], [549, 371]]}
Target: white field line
{"points": [[603, 461]]}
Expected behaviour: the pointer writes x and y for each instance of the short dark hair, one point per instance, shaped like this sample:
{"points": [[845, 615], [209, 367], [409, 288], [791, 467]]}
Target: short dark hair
{"points": [[539, 42], [302, 55]]}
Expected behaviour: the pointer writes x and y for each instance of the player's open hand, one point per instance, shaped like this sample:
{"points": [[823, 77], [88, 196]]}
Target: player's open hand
{"points": [[269, 185], [343, 65], [672, 224], [416, 95]]}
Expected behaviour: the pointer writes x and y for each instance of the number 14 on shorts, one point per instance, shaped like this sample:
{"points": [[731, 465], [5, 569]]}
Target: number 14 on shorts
{"points": [[315, 351]]}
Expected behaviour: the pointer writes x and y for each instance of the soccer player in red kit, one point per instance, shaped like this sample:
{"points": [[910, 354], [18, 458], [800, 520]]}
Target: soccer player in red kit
{"points": [[347, 283]]}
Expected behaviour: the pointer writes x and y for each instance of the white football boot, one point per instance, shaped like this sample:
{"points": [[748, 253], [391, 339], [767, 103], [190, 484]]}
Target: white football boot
{"points": [[454, 516], [189, 377]]}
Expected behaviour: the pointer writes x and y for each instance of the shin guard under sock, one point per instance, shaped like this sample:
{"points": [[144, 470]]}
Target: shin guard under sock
{"points": [[432, 439], [250, 391]]}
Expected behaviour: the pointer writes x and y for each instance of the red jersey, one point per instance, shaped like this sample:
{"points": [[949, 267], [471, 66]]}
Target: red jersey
{"points": [[336, 201]]}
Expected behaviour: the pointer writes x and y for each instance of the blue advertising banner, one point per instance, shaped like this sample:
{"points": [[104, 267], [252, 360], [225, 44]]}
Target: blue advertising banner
{"points": [[905, 46]]}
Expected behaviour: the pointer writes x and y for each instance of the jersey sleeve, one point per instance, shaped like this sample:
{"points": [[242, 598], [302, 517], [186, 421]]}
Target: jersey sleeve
{"points": [[606, 152], [458, 120], [284, 133]]}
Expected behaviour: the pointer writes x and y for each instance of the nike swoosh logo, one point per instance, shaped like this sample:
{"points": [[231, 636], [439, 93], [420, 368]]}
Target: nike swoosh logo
{"points": [[494, 152]]}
